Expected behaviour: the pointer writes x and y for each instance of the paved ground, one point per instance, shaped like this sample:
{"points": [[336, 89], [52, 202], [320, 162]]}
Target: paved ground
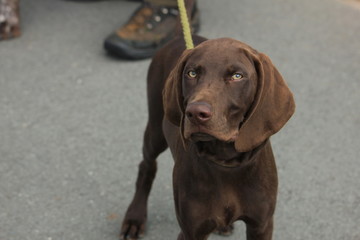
{"points": [[71, 119]]}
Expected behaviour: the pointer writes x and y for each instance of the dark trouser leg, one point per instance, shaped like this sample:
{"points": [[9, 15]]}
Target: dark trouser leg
{"points": [[169, 3]]}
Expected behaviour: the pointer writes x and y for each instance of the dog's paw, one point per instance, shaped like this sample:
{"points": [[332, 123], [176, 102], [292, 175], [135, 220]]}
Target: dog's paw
{"points": [[225, 231], [133, 226], [132, 231], [9, 19]]}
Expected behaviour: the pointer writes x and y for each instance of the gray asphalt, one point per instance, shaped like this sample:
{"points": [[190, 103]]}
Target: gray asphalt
{"points": [[72, 119]]}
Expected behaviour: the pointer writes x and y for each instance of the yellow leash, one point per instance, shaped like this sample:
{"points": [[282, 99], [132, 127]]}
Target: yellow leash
{"points": [[185, 25]]}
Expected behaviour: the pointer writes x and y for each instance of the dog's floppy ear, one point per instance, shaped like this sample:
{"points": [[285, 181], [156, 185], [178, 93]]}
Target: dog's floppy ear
{"points": [[172, 93], [272, 107]]}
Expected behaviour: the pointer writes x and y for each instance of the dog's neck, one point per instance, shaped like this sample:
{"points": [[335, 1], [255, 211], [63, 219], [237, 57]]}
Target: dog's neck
{"points": [[224, 154]]}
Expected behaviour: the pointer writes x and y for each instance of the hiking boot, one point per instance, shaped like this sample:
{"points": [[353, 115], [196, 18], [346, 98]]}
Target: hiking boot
{"points": [[148, 29]]}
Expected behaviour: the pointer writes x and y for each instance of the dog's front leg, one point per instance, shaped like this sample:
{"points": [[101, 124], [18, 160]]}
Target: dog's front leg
{"points": [[198, 232], [133, 226], [259, 232], [193, 209]]}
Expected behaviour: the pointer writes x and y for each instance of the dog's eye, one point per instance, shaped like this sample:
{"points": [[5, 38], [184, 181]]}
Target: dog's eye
{"points": [[192, 74], [237, 76]]}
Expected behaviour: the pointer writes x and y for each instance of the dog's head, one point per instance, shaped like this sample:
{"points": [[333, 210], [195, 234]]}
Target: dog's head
{"points": [[225, 90]]}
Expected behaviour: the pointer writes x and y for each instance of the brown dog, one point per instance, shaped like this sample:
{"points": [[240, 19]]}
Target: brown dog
{"points": [[222, 101]]}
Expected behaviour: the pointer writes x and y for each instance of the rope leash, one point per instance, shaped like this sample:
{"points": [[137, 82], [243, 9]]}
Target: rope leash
{"points": [[185, 25]]}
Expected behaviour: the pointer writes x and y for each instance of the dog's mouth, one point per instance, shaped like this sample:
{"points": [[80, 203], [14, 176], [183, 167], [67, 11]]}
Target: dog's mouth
{"points": [[211, 147], [204, 143], [202, 137], [206, 148]]}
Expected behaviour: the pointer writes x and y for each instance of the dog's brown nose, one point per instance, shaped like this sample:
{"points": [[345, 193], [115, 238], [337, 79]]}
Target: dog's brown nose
{"points": [[198, 112]]}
